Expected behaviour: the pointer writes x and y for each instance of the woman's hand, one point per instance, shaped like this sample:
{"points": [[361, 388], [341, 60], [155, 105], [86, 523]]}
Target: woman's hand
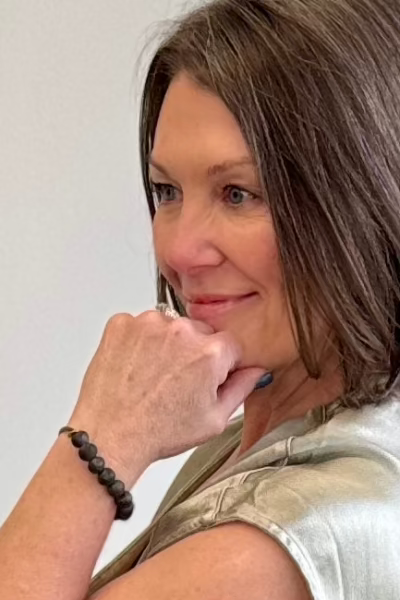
{"points": [[164, 384], [155, 387]]}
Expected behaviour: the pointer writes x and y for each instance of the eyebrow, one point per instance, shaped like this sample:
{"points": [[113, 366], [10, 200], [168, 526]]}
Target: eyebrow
{"points": [[217, 169]]}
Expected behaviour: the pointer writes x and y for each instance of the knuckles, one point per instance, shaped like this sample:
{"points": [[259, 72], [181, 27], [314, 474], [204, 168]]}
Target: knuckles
{"points": [[213, 351], [181, 326], [152, 322], [119, 321], [123, 321], [150, 316]]}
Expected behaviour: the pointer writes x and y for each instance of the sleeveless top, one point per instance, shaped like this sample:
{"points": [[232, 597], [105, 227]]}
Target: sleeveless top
{"points": [[326, 487]]}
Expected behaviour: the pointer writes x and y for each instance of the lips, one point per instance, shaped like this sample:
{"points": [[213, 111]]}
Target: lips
{"points": [[206, 307]]}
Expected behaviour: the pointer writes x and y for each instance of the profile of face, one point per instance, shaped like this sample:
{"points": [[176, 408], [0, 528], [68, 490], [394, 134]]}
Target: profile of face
{"points": [[213, 235]]}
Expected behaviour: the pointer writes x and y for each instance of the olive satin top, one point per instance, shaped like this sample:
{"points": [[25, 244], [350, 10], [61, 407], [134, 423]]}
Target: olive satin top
{"points": [[326, 487]]}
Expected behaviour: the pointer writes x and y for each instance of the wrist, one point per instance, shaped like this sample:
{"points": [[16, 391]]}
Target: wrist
{"points": [[105, 476], [127, 458]]}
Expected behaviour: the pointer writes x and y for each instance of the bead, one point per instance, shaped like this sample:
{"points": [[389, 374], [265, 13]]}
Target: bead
{"points": [[106, 477], [124, 512], [87, 451], [116, 489], [125, 499], [79, 438], [65, 429], [96, 465]]}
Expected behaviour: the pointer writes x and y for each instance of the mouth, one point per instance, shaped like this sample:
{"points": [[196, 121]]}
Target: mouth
{"points": [[205, 308]]}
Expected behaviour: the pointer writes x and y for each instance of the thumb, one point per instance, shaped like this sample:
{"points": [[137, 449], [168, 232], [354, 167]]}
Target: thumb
{"points": [[238, 386]]}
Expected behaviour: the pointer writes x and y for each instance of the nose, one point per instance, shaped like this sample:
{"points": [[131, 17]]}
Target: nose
{"points": [[192, 240]]}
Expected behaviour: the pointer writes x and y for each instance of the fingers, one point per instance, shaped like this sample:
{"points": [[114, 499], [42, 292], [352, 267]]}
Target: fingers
{"points": [[199, 326], [172, 315], [227, 353], [237, 387], [167, 311]]}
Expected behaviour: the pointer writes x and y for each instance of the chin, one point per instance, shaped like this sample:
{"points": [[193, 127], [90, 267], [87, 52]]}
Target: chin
{"points": [[255, 353], [265, 351]]}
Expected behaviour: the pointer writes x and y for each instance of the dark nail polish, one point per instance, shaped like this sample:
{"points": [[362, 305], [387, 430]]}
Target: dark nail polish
{"points": [[264, 381]]}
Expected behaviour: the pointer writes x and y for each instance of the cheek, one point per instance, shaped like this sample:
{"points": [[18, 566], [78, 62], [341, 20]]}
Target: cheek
{"points": [[274, 291], [264, 266], [265, 331], [159, 244]]}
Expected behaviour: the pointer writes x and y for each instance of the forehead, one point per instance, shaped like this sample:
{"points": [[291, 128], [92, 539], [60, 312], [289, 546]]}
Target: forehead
{"points": [[195, 125]]}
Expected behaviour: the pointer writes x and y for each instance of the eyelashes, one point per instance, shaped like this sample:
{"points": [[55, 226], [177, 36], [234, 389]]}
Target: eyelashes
{"points": [[233, 195], [160, 191]]}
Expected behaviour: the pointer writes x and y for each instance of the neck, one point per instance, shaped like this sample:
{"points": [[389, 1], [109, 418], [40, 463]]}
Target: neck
{"points": [[291, 395]]}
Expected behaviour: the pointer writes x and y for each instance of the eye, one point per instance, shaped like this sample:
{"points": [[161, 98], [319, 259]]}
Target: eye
{"points": [[163, 193], [236, 195]]}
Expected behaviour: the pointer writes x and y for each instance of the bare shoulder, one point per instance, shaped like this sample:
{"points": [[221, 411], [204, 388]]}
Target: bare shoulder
{"points": [[232, 561]]}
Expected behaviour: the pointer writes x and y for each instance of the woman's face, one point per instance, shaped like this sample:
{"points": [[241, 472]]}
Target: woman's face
{"points": [[213, 235]]}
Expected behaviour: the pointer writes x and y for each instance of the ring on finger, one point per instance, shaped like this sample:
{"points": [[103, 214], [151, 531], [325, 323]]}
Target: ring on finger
{"points": [[167, 311]]}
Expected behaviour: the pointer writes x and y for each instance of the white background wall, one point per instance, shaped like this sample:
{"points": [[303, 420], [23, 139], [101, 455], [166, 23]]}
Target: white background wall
{"points": [[75, 242]]}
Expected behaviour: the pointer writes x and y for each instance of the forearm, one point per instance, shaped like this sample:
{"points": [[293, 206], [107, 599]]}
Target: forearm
{"points": [[50, 543]]}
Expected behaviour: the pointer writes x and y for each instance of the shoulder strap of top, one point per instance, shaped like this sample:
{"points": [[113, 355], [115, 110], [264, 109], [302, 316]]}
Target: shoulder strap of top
{"points": [[202, 463]]}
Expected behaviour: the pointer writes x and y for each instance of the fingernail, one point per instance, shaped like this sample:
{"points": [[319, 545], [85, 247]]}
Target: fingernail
{"points": [[264, 381]]}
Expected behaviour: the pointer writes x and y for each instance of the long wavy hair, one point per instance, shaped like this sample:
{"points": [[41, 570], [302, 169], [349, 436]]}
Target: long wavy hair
{"points": [[315, 88]]}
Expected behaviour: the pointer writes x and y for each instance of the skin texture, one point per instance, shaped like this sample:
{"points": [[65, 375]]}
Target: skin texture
{"points": [[213, 234], [156, 386], [240, 562], [206, 243], [133, 423]]}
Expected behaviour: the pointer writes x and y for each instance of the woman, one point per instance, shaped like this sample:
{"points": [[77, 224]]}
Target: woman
{"points": [[270, 148]]}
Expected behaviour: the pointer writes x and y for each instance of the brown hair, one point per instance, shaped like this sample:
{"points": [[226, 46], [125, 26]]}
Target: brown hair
{"points": [[315, 88]]}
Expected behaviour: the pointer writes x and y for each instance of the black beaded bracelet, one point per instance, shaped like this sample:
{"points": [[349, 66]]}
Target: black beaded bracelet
{"points": [[88, 452]]}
